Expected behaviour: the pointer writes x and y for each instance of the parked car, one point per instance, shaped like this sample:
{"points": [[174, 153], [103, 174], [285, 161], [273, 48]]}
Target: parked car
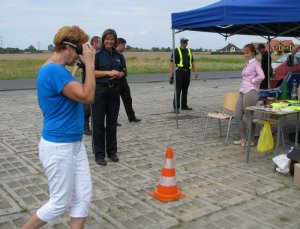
{"points": [[291, 64], [280, 60]]}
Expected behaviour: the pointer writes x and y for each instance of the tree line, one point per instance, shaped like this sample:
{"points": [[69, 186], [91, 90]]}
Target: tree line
{"points": [[32, 49], [157, 49]]}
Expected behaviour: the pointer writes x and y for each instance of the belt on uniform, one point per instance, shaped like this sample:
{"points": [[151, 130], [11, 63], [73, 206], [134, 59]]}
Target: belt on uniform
{"points": [[183, 69], [109, 84]]}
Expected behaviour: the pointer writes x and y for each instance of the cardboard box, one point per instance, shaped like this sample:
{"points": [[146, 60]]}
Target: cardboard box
{"points": [[297, 175]]}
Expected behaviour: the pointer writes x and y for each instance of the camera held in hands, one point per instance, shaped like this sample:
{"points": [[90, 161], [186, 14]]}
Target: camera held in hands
{"points": [[79, 50]]}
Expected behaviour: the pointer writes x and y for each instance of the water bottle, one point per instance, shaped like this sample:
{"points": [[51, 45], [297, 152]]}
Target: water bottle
{"points": [[284, 90], [294, 92]]}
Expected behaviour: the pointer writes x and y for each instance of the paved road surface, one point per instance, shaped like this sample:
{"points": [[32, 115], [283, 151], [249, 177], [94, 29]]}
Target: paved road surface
{"points": [[7, 85]]}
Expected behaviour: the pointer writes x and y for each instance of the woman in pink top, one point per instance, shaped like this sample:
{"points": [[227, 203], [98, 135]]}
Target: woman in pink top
{"points": [[249, 92]]}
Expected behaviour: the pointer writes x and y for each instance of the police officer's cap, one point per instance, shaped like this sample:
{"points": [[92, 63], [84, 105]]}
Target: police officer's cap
{"points": [[184, 40]]}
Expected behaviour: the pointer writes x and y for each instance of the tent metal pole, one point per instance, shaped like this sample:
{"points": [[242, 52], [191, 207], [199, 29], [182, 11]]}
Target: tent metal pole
{"points": [[174, 74], [269, 54]]}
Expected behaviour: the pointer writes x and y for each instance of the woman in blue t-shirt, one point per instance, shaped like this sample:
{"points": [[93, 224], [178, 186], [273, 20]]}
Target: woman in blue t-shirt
{"points": [[61, 150]]}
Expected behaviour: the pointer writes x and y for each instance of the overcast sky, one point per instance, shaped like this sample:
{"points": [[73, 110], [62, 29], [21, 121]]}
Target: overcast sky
{"points": [[143, 23]]}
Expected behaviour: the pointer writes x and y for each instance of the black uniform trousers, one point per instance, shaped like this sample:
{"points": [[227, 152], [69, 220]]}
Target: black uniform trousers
{"points": [[105, 109], [126, 98], [264, 83], [87, 114], [183, 78]]}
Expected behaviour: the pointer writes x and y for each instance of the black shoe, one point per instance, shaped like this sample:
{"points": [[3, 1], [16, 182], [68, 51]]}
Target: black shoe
{"points": [[187, 108], [114, 158], [101, 162], [135, 119], [119, 124]]}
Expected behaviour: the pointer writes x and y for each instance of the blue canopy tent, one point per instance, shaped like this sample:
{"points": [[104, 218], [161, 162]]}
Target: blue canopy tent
{"points": [[266, 18], [256, 17]]}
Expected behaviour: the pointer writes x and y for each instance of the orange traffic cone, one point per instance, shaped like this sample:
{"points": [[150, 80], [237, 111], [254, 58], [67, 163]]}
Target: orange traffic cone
{"points": [[167, 190]]}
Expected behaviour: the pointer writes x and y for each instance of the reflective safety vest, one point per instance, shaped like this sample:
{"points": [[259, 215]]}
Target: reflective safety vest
{"points": [[181, 60]]}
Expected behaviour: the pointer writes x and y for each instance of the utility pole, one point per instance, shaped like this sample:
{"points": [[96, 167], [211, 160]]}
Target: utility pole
{"points": [[1, 42]]}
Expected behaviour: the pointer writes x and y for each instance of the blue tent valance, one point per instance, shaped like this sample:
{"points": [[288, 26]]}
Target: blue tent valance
{"points": [[244, 17]]}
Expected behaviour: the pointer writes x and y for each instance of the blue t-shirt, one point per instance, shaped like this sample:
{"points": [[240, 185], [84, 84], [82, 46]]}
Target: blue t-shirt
{"points": [[63, 117]]}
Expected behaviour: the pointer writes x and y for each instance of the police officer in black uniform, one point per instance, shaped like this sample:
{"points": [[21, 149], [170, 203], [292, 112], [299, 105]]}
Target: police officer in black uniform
{"points": [[109, 68], [184, 63], [125, 89]]}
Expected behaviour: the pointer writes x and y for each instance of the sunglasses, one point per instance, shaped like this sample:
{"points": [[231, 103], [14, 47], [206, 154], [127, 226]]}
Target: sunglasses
{"points": [[78, 48]]}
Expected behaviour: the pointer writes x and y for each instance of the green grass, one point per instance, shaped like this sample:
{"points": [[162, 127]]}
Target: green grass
{"points": [[227, 60], [284, 219], [18, 67]]}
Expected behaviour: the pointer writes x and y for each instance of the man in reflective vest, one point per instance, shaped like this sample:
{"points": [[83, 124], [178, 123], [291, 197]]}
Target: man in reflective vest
{"points": [[184, 63]]}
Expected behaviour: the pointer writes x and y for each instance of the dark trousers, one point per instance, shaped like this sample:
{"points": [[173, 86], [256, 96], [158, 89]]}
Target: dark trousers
{"points": [[183, 79], [87, 114], [126, 98], [105, 108], [264, 83]]}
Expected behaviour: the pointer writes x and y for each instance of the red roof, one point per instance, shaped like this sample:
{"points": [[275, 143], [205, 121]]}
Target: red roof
{"points": [[275, 43]]}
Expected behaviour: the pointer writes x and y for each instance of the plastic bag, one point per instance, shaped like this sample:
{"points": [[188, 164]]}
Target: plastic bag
{"points": [[283, 163], [265, 142]]}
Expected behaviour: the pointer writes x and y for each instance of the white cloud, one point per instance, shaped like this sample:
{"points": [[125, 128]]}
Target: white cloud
{"points": [[142, 23], [144, 32]]}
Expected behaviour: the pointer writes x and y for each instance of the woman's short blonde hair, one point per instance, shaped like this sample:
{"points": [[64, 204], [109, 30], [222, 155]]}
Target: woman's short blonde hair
{"points": [[73, 34]]}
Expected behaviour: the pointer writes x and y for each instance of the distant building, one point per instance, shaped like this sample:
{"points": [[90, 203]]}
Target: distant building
{"points": [[230, 48], [278, 47]]}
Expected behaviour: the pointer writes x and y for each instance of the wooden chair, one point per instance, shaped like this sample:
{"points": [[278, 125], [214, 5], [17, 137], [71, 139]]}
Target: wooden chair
{"points": [[230, 100]]}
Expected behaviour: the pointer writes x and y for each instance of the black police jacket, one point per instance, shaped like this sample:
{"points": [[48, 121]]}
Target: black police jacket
{"points": [[107, 61]]}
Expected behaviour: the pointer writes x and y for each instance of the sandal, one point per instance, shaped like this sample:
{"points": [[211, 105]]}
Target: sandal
{"points": [[247, 143], [239, 142]]}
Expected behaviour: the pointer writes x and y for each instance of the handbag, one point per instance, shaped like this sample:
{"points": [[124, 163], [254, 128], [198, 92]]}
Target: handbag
{"points": [[265, 141]]}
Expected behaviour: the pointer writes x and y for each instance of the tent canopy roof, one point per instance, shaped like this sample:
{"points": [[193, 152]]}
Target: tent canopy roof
{"points": [[244, 17]]}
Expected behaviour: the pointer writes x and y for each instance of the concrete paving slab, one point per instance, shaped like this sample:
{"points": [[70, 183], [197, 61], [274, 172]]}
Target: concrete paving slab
{"points": [[222, 190]]}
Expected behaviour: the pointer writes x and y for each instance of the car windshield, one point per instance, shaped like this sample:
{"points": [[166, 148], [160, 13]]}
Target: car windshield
{"points": [[282, 58]]}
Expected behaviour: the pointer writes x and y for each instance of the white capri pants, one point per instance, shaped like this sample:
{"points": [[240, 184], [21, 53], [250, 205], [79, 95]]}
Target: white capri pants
{"points": [[69, 179]]}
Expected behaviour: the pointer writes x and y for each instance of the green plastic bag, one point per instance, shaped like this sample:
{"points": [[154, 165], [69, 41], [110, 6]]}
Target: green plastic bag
{"points": [[265, 142]]}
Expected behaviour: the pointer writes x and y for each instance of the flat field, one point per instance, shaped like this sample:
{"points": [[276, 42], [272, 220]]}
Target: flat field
{"points": [[25, 66], [32, 56]]}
